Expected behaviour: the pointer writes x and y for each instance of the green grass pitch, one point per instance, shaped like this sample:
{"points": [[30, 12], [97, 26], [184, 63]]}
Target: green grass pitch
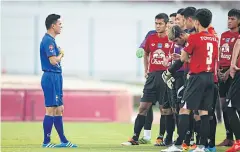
{"points": [[90, 137]]}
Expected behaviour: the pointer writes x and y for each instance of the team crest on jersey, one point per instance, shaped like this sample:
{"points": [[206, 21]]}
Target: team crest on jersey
{"points": [[50, 47], [233, 39], [227, 40], [153, 44], [166, 45], [159, 45]]}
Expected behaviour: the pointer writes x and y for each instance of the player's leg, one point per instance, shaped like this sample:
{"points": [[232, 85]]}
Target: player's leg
{"points": [[146, 139], [191, 100], [170, 121], [58, 119], [232, 106], [223, 89], [213, 122], [50, 105], [149, 97], [205, 106]]}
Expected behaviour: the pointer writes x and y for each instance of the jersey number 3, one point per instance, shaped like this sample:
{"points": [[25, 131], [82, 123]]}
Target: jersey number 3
{"points": [[209, 53]]}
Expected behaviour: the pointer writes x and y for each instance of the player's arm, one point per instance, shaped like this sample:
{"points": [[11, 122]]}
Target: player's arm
{"points": [[51, 53], [236, 52], [140, 51], [146, 56]]}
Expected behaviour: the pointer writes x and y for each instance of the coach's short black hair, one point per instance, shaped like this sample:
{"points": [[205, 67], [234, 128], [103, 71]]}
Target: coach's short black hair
{"points": [[173, 15], [234, 12], [204, 16], [180, 10], [163, 16], [175, 32], [51, 19], [188, 12]]}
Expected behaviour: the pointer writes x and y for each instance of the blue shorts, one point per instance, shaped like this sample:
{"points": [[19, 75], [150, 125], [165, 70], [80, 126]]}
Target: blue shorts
{"points": [[52, 89]]}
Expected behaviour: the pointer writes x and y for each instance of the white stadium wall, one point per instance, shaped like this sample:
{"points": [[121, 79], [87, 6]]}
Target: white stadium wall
{"points": [[99, 39]]}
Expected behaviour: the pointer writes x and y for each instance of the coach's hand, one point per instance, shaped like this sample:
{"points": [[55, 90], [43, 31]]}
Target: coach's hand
{"points": [[166, 75], [140, 52], [226, 75], [175, 56], [61, 51]]}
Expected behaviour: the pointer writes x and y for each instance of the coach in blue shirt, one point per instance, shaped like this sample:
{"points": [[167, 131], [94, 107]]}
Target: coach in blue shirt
{"points": [[50, 56]]}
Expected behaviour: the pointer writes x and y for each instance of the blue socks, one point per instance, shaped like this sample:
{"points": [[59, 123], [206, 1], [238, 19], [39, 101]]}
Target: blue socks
{"points": [[58, 123], [47, 128]]}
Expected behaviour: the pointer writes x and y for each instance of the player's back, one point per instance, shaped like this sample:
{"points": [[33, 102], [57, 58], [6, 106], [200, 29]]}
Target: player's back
{"points": [[205, 52]]}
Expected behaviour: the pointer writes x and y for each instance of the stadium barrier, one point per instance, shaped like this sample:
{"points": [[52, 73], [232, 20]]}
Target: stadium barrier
{"points": [[79, 105]]}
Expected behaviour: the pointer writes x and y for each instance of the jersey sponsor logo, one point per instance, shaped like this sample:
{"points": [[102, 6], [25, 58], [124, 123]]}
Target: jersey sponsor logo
{"points": [[225, 50], [233, 39], [153, 44], [158, 57]]}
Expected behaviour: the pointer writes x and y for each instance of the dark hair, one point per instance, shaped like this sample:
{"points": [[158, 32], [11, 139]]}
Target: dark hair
{"points": [[204, 16], [51, 19], [234, 12], [163, 16], [175, 32], [173, 15], [188, 12], [180, 10]]}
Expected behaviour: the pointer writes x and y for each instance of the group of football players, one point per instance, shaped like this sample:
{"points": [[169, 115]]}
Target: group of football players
{"points": [[187, 69]]}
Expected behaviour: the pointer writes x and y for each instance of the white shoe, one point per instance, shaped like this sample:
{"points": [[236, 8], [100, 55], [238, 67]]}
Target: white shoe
{"points": [[172, 148], [129, 143]]}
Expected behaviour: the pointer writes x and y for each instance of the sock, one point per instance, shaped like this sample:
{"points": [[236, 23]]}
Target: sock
{"points": [[147, 134], [162, 126], [229, 132], [47, 128], [170, 126], [197, 131], [148, 124], [182, 129], [138, 125], [204, 130], [234, 122], [213, 126], [190, 129], [58, 123]]}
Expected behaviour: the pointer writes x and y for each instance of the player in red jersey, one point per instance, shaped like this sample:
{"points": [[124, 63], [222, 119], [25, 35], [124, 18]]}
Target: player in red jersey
{"points": [[157, 51], [203, 48], [233, 96], [232, 101], [227, 42]]}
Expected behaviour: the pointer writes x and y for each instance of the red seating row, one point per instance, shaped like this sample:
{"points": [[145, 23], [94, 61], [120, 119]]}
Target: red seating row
{"points": [[81, 105]]}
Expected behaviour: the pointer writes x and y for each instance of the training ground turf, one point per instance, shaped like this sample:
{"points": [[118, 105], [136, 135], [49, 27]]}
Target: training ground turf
{"points": [[90, 137]]}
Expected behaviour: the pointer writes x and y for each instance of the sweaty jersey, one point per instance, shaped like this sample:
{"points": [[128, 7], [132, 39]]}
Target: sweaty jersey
{"points": [[159, 49], [48, 48], [227, 42], [148, 34], [203, 48]]}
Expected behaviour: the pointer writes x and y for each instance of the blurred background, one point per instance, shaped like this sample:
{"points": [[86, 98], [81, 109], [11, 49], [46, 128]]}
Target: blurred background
{"points": [[100, 39]]}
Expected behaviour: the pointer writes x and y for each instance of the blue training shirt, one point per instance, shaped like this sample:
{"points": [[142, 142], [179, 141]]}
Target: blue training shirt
{"points": [[49, 48]]}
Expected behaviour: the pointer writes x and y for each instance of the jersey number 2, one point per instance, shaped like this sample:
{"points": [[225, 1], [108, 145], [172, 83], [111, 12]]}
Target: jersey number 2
{"points": [[210, 53]]}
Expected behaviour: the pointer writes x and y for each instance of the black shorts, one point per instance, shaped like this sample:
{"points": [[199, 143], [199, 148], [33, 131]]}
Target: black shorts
{"points": [[224, 86], [155, 89], [233, 97], [199, 92], [177, 91]]}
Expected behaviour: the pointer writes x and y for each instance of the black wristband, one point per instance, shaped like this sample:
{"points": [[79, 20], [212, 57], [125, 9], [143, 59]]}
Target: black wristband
{"points": [[175, 66]]}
